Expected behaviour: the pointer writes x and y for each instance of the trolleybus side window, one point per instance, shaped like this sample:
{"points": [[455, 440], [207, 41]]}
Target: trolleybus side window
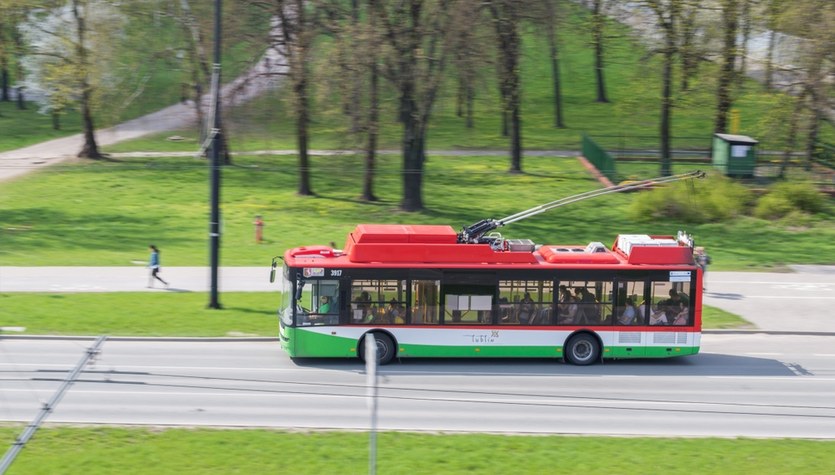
{"points": [[631, 307], [670, 304], [425, 300], [585, 303], [317, 302], [525, 302], [378, 301]]}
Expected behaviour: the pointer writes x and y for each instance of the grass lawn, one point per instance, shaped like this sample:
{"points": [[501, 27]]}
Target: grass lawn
{"points": [[173, 314], [21, 128], [100, 450], [141, 314], [106, 213]]}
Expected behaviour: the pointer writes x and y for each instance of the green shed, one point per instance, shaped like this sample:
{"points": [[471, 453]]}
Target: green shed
{"points": [[735, 155]]}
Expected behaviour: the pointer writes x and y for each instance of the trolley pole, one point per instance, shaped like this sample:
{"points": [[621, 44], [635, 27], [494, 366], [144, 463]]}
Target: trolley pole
{"points": [[214, 220], [371, 375], [49, 406]]}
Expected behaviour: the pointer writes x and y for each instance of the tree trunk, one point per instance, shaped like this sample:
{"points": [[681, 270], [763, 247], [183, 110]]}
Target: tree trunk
{"points": [[814, 129], [555, 64], [791, 139], [666, 97], [597, 40], [21, 100], [470, 107], [769, 61], [413, 154], [90, 148], [373, 130], [727, 72], [4, 79], [746, 36], [516, 137], [302, 119], [56, 120]]}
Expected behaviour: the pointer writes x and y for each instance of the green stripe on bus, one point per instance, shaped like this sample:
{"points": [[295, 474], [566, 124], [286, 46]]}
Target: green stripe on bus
{"points": [[303, 343]]}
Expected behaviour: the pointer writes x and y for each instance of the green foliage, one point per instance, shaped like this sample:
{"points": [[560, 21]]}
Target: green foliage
{"points": [[788, 197], [107, 450], [713, 199]]}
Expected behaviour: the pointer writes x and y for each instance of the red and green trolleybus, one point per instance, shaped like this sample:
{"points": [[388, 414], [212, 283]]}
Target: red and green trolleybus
{"points": [[427, 291]]}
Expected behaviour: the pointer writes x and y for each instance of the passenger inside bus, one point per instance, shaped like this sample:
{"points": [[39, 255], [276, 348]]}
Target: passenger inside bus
{"points": [[629, 313], [569, 310], [527, 307], [395, 313], [658, 316], [683, 315]]}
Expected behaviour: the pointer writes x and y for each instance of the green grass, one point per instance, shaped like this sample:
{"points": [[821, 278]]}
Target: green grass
{"points": [[106, 213], [21, 128], [714, 318], [173, 314], [93, 451], [141, 314]]}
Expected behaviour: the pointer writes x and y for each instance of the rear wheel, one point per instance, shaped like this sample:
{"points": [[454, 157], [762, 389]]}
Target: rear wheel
{"points": [[582, 350], [385, 348]]}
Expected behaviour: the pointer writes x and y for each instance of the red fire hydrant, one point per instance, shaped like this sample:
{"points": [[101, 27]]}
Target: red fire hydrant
{"points": [[259, 229]]}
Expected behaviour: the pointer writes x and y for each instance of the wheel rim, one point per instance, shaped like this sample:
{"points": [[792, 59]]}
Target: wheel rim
{"points": [[582, 350], [382, 349]]}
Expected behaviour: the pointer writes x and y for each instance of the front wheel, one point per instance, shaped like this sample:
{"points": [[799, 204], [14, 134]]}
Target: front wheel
{"points": [[385, 348], [582, 350]]}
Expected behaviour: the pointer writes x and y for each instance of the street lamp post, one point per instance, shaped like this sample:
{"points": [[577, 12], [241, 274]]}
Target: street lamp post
{"points": [[214, 219]]}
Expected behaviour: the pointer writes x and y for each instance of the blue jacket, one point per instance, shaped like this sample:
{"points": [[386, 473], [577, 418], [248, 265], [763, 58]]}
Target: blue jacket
{"points": [[154, 259]]}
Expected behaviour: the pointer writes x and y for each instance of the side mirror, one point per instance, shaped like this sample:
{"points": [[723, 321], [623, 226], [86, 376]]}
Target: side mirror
{"points": [[272, 269]]}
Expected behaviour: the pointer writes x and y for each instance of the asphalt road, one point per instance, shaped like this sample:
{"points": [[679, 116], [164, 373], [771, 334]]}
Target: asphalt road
{"points": [[752, 385]]}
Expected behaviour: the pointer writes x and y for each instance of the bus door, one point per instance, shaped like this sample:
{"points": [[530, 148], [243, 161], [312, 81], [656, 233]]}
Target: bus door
{"points": [[468, 297], [629, 316]]}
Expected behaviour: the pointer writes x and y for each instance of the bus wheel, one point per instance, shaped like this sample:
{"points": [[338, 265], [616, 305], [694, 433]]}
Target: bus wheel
{"points": [[385, 348], [582, 350]]}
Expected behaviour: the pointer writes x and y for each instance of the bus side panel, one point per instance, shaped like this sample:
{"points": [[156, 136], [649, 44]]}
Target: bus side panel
{"points": [[320, 342], [663, 344], [626, 344]]}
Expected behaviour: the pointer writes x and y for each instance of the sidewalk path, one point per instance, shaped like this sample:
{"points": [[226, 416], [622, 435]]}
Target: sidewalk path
{"points": [[246, 87], [801, 301]]}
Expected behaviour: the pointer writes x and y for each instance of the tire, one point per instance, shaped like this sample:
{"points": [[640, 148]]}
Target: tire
{"points": [[582, 350], [385, 348]]}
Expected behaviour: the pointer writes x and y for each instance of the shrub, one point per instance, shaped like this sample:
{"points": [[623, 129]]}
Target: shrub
{"points": [[787, 197], [716, 198]]}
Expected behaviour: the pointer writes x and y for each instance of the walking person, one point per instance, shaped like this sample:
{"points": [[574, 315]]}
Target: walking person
{"points": [[702, 260], [153, 263]]}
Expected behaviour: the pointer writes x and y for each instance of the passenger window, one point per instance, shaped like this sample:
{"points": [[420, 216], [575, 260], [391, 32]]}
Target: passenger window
{"points": [[525, 302], [381, 302], [631, 309], [585, 303], [671, 304]]}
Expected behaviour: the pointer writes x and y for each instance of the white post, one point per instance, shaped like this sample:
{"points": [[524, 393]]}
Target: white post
{"points": [[371, 379]]}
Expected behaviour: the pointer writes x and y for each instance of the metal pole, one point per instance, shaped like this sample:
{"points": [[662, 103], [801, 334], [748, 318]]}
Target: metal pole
{"points": [[48, 407], [371, 374], [214, 220]]}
